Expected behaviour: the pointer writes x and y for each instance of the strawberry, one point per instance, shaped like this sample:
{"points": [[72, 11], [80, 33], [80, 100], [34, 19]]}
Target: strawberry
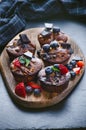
{"points": [[17, 63], [80, 64], [20, 90], [76, 70], [63, 69], [34, 85]]}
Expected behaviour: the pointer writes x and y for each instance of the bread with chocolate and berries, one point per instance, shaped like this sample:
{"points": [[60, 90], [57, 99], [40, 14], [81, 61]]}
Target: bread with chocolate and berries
{"points": [[20, 46], [54, 78], [51, 33], [55, 53], [25, 67]]}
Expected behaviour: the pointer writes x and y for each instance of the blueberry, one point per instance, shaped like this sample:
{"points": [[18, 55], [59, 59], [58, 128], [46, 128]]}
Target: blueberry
{"points": [[54, 44], [69, 66], [56, 30], [56, 65], [73, 62], [46, 47], [73, 74], [29, 89], [37, 92], [48, 70]]}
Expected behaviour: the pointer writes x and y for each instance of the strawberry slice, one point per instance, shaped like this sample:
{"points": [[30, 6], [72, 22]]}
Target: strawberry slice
{"points": [[16, 63], [76, 70], [34, 85], [20, 90], [63, 69]]}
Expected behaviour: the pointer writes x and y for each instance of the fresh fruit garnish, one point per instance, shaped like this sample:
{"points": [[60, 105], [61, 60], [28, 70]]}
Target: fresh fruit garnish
{"points": [[37, 92], [63, 69], [34, 85], [20, 90], [55, 68], [27, 62], [46, 47], [22, 60], [54, 44], [73, 62], [69, 66], [48, 70], [16, 63], [29, 89], [73, 74], [80, 64], [76, 70]]}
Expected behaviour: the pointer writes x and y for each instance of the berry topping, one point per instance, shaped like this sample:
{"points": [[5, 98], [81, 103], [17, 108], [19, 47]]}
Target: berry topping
{"points": [[46, 47], [48, 70], [16, 63], [34, 85], [56, 65], [37, 92], [55, 68], [29, 89], [73, 74], [54, 44], [76, 70], [73, 62], [56, 30], [63, 69], [69, 66], [20, 90], [80, 64]]}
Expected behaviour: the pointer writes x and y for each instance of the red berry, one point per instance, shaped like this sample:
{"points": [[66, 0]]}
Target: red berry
{"points": [[76, 70], [16, 63], [63, 69], [80, 64], [34, 85], [20, 90]]}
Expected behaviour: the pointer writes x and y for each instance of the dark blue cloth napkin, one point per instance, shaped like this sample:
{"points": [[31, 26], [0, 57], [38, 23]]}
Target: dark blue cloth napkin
{"points": [[14, 14]]}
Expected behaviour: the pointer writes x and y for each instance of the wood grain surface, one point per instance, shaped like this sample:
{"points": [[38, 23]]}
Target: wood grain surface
{"points": [[45, 99]]}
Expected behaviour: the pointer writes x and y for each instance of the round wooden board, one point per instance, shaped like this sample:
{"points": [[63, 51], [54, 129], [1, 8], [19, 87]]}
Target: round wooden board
{"points": [[46, 99]]}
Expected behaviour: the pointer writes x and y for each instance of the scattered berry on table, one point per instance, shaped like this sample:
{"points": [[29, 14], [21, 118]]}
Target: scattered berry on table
{"points": [[29, 89], [37, 92], [20, 90]]}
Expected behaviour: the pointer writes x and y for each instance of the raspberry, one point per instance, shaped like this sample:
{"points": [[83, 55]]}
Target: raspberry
{"points": [[34, 85], [63, 69], [20, 90]]}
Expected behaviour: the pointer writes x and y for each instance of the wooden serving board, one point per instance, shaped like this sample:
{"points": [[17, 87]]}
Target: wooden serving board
{"points": [[45, 99]]}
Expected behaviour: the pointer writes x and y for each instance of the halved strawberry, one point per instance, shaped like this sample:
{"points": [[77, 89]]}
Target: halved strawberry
{"points": [[34, 85], [16, 63], [20, 90], [76, 70], [63, 69]]}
